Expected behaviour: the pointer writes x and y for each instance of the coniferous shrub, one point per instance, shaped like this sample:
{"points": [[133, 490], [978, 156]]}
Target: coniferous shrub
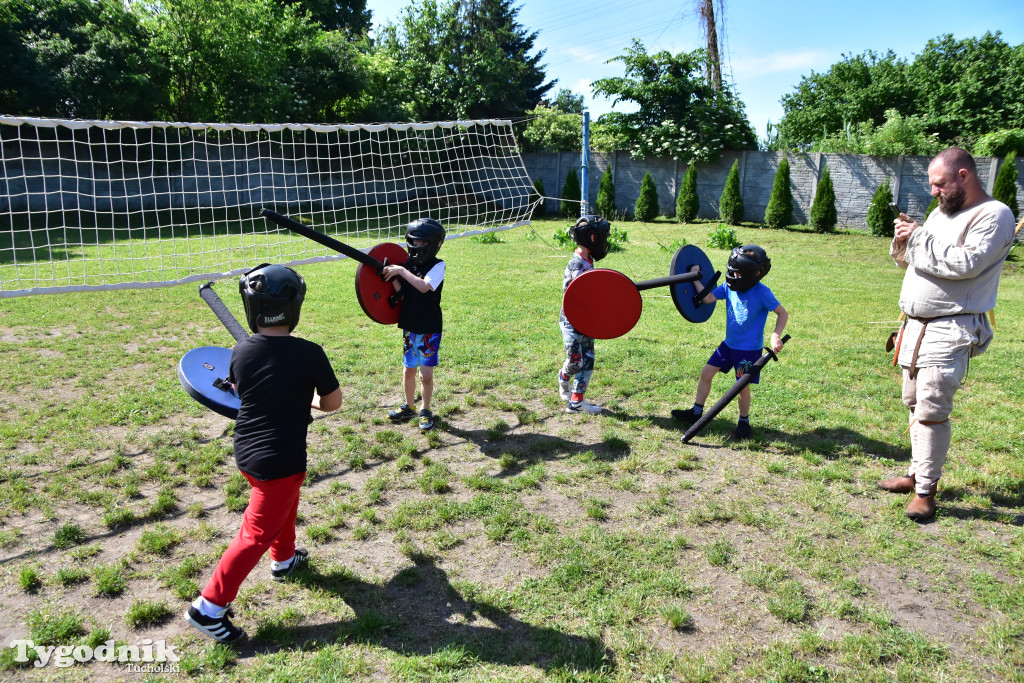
{"points": [[538, 194], [730, 204], [646, 208], [571, 193], [880, 214], [1005, 187], [606, 195], [823, 208], [687, 202], [779, 213]]}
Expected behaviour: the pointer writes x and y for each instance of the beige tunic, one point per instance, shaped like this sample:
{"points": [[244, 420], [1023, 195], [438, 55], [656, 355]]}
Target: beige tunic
{"points": [[952, 267]]}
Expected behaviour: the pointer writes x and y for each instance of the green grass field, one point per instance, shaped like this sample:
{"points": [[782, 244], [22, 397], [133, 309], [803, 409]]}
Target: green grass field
{"points": [[516, 542]]}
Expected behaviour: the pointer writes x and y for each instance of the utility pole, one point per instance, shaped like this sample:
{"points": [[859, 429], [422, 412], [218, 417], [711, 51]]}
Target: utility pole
{"points": [[714, 68]]}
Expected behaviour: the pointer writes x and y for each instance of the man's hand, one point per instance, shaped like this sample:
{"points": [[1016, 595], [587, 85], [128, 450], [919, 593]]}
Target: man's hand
{"points": [[903, 228]]}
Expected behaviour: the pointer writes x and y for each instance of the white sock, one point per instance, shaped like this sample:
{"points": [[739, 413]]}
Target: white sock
{"points": [[277, 566], [208, 608]]}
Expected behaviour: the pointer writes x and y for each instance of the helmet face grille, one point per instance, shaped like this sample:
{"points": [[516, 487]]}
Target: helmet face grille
{"points": [[429, 231], [746, 267]]}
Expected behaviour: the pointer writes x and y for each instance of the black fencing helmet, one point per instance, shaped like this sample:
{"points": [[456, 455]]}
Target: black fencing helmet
{"points": [[272, 296], [431, 232], [592, 232], [747, 265]]}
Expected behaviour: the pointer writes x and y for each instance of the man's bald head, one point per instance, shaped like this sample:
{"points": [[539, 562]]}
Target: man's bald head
{"points": [[953, 177], [955, 159]]}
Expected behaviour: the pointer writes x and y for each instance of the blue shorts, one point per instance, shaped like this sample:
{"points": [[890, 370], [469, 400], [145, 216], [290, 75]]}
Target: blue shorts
{"points": [[727, 358], [420, 349]]}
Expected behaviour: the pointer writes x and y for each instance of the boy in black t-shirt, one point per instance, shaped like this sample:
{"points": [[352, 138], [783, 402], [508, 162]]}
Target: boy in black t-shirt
{"points": [[278, 378], [420, 317]]}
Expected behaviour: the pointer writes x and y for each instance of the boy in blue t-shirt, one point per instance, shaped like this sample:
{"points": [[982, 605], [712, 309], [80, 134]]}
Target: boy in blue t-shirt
{"points": [[747, 304]]}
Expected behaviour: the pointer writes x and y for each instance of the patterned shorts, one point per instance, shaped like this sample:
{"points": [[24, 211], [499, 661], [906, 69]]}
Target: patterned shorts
{"points": [[420, 349]]}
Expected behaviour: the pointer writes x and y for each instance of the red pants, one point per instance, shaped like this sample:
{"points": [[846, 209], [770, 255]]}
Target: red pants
{"points": [[268, 523]]}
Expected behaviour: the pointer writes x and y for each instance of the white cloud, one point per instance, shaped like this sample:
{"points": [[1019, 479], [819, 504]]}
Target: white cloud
{"points": [[747, 67], [586, 56]]}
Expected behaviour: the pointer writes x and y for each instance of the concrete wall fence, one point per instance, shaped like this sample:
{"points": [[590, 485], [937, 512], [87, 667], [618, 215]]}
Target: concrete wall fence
{"points": [[855, 178]]}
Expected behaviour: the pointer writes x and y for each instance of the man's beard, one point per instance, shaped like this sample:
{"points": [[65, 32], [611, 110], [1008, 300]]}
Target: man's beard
{"points": [[950, 203]]}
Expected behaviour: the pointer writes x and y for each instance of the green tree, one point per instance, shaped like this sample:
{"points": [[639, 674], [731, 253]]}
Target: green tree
{"points": [[77, 58], [730, 204], [823, 208], [571, 194], [678, 114], [951, 77], [463, 59], [606, 195], [779, 213], [898, 135], [281, 65], [932, 205], [568, 101], [854, 90], [552, 130], [1005, 187], [687, 201], [880, 215], [999, 143], [941, 88], [646, 207], [349, 16]]}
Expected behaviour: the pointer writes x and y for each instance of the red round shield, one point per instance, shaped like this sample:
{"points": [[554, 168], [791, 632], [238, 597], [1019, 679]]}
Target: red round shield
{"points": [[373, 291], [602, 303]]}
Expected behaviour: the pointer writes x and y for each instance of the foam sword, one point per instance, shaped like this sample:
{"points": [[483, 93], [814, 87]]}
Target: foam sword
{"points": [[376, 296], [732, 393]]}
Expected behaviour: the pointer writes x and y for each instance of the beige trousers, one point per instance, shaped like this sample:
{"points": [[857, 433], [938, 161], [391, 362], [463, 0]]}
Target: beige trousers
{"points": [[929, 396]]}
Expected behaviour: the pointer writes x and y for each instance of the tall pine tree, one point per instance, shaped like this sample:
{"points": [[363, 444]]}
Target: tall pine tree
{"points": [[779, 213], [571, 194], [1005, 187], [880, 215], [730, 204], [646, 208], [687, 202], [606, 195], [823, 209]]}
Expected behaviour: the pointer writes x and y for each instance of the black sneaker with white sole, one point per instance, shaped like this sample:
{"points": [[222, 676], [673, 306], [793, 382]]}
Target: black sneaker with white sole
{"points": [[686, 416], [301, 554], [219, 628]]}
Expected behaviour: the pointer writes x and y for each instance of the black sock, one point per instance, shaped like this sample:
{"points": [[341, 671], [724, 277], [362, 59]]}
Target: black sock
{"points": [[698, 408], [744, 418]]}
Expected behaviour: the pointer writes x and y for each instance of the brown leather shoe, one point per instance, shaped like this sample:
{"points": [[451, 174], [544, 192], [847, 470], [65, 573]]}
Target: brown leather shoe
{"points": [[897, 484], [922, 508]]}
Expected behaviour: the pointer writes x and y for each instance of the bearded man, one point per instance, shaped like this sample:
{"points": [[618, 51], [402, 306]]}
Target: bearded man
{"points": [[952, 265]]}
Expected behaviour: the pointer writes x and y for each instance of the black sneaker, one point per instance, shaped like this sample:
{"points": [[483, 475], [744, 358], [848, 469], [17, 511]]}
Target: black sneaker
{"points": [[301, 554], [687, 416], [743, 431], [219, 628], [402, 413], [426, 421]]}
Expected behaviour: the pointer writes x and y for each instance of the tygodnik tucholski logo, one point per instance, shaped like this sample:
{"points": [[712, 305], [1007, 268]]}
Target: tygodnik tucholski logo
{"points": [[149, 656]]}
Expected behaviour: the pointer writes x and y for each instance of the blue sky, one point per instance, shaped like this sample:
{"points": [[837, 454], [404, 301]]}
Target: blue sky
{"points": [[768, 47]]}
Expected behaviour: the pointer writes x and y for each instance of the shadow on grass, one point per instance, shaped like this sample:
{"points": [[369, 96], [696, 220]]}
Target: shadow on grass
{"points": [[967, 514], [531, 445], [834, 443], [419, 612]]}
